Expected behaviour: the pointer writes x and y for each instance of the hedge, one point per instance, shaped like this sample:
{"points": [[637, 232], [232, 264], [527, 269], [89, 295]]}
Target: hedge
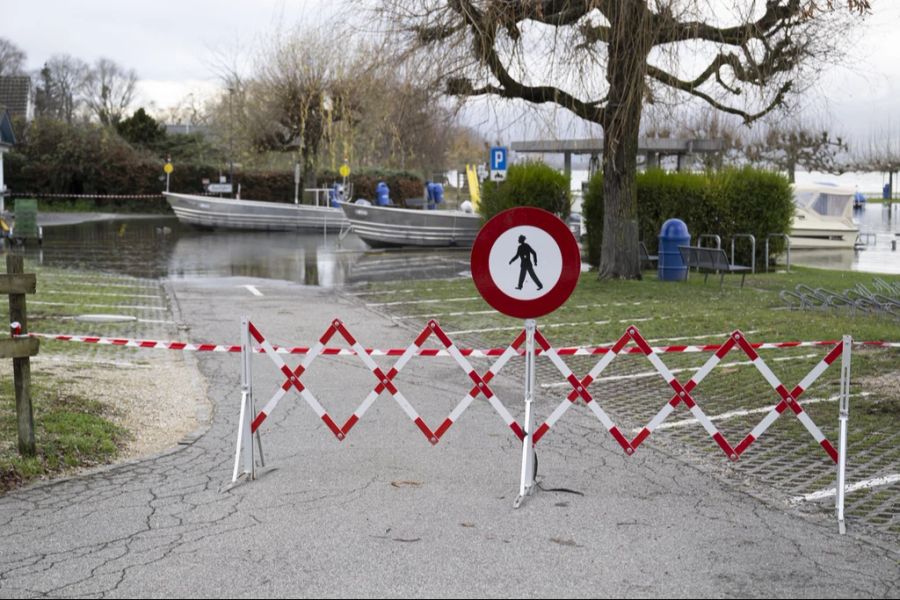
{"points": [[529, 184], [728, 202], [57, 158]]}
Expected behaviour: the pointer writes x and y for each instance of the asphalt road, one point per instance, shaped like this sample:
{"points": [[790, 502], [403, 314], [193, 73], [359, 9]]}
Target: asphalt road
{"points": [[384, 513]]}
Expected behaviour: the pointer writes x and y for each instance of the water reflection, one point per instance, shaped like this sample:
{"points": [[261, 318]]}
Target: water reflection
{"points": [[161, 247]]}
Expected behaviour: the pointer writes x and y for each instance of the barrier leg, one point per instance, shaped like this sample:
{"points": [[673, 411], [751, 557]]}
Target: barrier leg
{"points": [[842, 444], [526, 487], [245, 436]]}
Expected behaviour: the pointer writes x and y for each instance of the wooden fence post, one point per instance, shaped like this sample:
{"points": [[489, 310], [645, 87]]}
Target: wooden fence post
{"points": [[17, 284]]}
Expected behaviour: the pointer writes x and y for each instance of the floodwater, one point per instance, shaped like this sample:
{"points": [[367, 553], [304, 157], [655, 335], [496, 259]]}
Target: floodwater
{"points": [[879, 227], [162, 248]]}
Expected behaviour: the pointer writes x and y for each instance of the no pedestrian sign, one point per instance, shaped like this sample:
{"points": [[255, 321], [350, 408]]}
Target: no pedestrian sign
{"points": [[525, 262]]}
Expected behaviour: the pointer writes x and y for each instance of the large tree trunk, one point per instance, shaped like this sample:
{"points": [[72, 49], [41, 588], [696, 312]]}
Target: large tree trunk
{"points": [[628, 51]]}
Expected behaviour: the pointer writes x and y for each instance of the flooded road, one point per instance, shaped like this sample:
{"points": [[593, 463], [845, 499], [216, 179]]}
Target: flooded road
{"points": [[162, 248]]}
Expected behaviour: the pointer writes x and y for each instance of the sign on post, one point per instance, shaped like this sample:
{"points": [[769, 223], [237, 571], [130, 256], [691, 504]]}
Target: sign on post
{"points": [[525, 262], [219, 188], [498, 163]]}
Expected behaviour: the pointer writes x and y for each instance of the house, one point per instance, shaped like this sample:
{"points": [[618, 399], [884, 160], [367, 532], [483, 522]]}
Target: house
{"points": [[17, 96], [7, 139]]}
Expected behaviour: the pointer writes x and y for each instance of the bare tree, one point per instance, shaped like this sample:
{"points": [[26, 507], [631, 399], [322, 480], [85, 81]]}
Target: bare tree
{"points": [[109, 90], [295, 93], [786, 148], [60, 85], [12, 59], [880, 154], [604, 59]]}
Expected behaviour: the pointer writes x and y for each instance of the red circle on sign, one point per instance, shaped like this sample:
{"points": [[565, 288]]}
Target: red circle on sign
{"points": [[549, 224]]}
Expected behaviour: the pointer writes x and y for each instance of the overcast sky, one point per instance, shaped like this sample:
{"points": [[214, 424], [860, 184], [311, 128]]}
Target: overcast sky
{"points": [[171, 45]]}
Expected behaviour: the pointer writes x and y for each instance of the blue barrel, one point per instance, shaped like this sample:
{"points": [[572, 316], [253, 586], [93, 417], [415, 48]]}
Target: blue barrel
{"points": [[674, 233], [382, 194]]}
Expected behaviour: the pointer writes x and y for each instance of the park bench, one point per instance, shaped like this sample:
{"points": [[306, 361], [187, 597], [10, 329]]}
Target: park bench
{"points": [[710, 260], [647, 258]]}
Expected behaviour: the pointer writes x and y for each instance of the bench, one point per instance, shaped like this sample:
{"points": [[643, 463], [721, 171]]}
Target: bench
{"points": [[646, 257], [710, 260]]}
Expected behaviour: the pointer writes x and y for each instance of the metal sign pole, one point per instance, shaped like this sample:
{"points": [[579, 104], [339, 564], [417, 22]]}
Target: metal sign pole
{"points": [[526, 487], [842, 444]]}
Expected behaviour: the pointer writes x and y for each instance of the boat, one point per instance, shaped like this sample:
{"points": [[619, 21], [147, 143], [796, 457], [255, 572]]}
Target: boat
{"points": [[211, 212], [823, 217], [386, 226]]}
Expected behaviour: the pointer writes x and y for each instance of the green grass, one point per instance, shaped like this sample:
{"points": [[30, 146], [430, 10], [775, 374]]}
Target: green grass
{"points": [[674, 309], [71, 432]]}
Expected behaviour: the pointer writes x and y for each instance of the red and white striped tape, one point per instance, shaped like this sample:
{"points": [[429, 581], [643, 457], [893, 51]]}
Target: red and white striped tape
{"points": [[467, 352], [86, 196]]}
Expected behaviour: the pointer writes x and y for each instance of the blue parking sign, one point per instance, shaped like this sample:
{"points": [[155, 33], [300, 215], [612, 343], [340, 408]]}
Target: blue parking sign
{"points": [[498, 158]]}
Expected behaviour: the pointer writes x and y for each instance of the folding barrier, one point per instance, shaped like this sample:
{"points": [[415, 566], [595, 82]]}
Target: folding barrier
{"points": [[531, 343]]}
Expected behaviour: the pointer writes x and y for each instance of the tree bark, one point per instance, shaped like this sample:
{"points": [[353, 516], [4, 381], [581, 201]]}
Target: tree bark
{"points": [[629, 46]]}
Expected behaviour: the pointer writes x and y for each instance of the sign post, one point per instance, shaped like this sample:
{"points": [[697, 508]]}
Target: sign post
{"points": [[525, 264], [499, 155], [168, 168]]}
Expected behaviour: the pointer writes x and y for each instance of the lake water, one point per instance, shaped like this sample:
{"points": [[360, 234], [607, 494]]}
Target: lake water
{"points": [[161, 247]]}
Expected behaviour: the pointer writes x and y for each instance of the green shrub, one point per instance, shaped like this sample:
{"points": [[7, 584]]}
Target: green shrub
{"points": [[758, 202], [725, 203], [529, 184]]}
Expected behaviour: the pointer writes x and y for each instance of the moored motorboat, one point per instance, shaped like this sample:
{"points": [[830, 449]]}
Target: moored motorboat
{"points": [[823, 217], [227, 213], [385, 226]]}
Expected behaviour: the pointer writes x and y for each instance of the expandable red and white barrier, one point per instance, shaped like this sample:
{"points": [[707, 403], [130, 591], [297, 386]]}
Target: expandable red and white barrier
{"points": [[467, 352], [631, 342]]}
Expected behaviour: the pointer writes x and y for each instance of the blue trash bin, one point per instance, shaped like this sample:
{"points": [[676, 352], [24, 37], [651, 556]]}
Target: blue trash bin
{"points": [[886, 192], [674, 233]]}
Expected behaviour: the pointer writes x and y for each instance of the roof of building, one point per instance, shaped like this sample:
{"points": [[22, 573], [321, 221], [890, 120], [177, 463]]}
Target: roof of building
{"points": [[15, 94], [595, 146]]}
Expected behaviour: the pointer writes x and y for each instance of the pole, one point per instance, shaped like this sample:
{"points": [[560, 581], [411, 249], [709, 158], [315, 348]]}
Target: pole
{"points": [[15, 263], [842, 444], [231, 135], [245, 436], [526, 487]]}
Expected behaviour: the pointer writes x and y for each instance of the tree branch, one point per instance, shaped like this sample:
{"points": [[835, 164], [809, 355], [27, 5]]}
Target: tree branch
{"points": [[689, 87], [484, 30]]}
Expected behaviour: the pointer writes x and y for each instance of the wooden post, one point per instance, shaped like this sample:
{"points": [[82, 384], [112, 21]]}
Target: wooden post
{"points": [[21, 364]]}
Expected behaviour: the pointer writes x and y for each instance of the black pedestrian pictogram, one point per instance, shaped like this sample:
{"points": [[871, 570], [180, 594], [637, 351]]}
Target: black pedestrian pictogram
{"points": [[524, 254]]}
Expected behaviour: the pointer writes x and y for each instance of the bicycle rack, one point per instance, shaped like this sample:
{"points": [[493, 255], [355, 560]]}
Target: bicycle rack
{"points": [[787, 242], [752, 239]]}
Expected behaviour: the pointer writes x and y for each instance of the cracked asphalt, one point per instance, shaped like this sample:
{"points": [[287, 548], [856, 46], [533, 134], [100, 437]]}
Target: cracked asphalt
{"points": [[384, 513]]}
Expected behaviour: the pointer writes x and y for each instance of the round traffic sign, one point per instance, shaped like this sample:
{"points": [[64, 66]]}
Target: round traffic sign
{"points": [[525, 262], [344, 170], [168, 168]]}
